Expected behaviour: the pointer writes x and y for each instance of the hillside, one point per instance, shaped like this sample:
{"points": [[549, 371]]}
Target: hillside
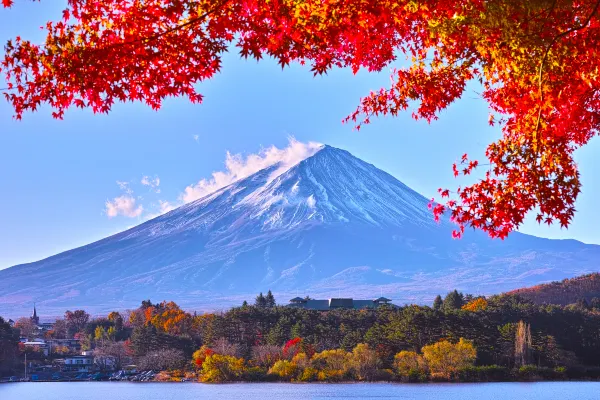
{"points": [[330, 224], [567, 291]]}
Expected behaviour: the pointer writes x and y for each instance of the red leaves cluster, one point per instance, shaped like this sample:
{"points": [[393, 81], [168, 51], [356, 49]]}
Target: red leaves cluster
{"points": [[291, 348], [537, 63]]}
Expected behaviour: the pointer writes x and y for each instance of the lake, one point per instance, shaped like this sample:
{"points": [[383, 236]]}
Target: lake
{"points": [[283, 391]]}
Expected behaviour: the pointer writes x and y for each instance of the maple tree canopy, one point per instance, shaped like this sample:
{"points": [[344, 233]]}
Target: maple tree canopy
{"points": [[537, 62]]}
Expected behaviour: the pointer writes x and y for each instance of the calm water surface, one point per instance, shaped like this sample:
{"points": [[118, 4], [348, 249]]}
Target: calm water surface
{"points": [[267, 391]]}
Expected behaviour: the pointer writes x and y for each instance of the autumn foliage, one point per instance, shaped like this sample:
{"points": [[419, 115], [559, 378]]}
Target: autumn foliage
{"points": [[535, 61]]}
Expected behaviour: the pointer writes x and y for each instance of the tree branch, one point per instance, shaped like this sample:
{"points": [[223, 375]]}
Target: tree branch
{"points": [[548, 48]]}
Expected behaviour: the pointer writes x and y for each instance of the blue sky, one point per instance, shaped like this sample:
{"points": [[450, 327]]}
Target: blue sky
{"points": [[56, 176]]}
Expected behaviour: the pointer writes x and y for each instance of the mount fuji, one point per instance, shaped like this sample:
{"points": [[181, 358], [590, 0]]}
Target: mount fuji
{"points": [[329, 225]]}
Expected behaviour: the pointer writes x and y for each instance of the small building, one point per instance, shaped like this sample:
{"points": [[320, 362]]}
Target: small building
{"points": [[38, 344], [336, 303], [72, 345], [78, 363]]}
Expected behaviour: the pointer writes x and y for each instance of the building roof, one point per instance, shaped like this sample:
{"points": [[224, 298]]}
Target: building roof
{"points": [[297, 300], [382, 300], [341, 303], [334, 303]]}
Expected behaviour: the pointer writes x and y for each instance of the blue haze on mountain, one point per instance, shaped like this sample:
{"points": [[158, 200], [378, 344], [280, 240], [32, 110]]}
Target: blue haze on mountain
{"points": [[331, 225]]}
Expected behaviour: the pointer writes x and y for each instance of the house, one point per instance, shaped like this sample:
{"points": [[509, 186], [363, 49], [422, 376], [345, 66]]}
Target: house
{"points": [[38, 344], [72, 345], [335, 303], [78, 363]]}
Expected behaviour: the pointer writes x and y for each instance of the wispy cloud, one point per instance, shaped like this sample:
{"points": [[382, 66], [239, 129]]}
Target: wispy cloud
{"points": [[153, 183], [124, 205], [196, 138], [238, 167], [124, 186]]}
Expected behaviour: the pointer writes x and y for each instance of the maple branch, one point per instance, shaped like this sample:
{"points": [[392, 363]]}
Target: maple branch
{"points": [[547, 52], [193, 21]]}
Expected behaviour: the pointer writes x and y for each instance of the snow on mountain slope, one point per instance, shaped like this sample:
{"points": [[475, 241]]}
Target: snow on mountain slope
{"points": [[331, 224]]}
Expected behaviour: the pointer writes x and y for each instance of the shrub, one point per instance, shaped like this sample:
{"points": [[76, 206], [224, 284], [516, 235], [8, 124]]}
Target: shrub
{"points": [[219, 368], [535, 373], [384, 375], [332, 359], [309, 374], [364, 361], [445, 358], [409, 364], [284, 369], [488, 373], [255, 374], [332, 375]]}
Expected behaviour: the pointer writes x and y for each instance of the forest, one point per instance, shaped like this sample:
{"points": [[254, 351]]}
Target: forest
{"points": [[459, 338]]}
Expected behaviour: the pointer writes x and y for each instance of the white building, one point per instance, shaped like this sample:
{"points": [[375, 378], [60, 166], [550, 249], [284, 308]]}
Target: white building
{"points": [[79, 363]]}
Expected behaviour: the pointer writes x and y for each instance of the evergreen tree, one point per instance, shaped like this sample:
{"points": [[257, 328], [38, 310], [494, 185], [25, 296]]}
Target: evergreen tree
{"points": [[595, 303], [453, 301], [437, 303], [270, 300], [260, 302], [582, 304], [245, 304]]}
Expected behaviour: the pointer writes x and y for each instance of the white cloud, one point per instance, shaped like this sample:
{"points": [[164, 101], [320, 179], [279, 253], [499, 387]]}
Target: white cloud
{"points": [[124, 186], [153, 183], [196, 138], [237, 167], [123, 205], [166, 206], [311, 201]]}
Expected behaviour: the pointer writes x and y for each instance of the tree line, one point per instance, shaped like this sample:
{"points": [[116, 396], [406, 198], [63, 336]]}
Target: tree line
{"points": [[460, 337]]}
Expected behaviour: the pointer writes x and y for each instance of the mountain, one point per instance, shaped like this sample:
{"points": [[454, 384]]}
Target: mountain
{"points": [[330, 225], [567, 291]]}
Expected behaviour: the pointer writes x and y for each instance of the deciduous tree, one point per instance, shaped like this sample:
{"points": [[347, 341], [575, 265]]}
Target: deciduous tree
{"points": [[445, 358], [535, 62]]}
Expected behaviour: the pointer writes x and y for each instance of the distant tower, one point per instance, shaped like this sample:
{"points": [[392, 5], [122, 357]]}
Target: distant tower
{"points": [[34, 318]]}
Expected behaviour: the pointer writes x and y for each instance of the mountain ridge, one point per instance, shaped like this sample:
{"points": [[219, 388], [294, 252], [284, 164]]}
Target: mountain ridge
{"points": [[329, 223]]}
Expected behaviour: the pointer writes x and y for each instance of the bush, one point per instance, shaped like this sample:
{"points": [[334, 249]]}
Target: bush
{"points": [[488, 373], [534, 373], [309, 375], [284, 369], [384, 375], [445, 358], [219, 368], [255, 374], [332, 375], [409, 363]]}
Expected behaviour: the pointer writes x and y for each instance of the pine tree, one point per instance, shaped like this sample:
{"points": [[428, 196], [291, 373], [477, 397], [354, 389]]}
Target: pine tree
{"points": [[437, 303], [270, 300], [245, 304], [453, 301], [260, 301]]}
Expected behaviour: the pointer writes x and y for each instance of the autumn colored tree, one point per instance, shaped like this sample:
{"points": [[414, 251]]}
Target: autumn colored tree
{"points": [[445, 358], [284, 369], [221, 368], [523, 343], [200, 355], [365, 362], [76, 320], [26, 327], [535, 62], [478, 304], [409, 363]]}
